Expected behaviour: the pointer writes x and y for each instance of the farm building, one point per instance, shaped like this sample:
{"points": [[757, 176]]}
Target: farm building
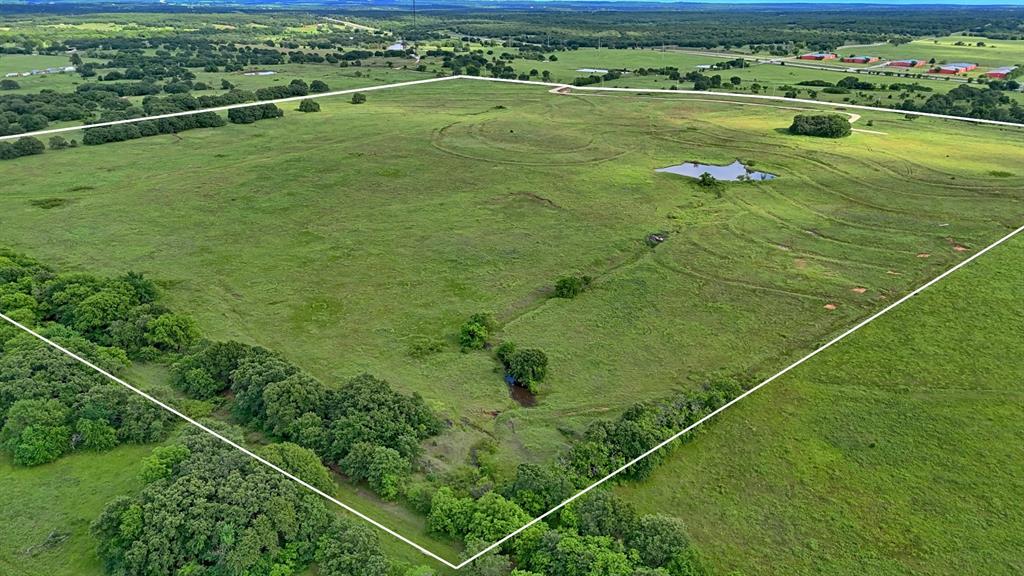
{"points": [[956, 68], [861, 59], [907, 63], [819, 56], [1001, 73]]}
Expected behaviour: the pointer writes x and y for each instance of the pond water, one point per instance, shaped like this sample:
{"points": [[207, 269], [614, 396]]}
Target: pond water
{"points": [[731, 173]]}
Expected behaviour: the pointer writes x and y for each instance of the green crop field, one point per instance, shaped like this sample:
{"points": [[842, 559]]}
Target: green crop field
{"points": [[348, 238], [897, 451]]}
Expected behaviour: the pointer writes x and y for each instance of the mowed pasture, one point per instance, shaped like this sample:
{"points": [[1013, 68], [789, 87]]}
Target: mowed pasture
{"points": [[349, 238], [897, 451]]}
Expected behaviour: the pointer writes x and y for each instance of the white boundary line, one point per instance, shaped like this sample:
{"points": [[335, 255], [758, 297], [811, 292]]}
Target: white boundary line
{"points": [[566, 502], [820, 349], [225, 440], [553, 85], [617, 471]]}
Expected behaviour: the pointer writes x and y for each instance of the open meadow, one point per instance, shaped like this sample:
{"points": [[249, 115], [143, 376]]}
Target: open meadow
{"points": [[360, 238], [897, 451]]}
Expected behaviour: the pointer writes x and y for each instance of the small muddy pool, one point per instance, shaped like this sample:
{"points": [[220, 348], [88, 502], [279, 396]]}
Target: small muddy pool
{"points": [[731, 173], [522, 396]]}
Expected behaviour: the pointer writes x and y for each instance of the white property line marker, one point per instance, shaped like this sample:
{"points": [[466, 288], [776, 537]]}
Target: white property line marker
{"points": [[556, 88], [566, 502], [226, 440]]}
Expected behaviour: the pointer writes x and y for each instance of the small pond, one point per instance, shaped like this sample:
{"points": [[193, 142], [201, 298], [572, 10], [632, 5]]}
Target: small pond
{"points": [[731, 173]]}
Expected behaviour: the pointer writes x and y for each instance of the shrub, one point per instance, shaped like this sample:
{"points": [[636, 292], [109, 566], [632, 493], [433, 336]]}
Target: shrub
{"points": [[358, 98], [475, 331], [309, 106], [571, 286], [27, 146]]}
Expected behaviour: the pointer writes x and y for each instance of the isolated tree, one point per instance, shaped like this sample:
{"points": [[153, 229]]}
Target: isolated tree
{"points": [[8, 84], [822, 125], [707, 180], [358, 98], [309, 106], [475, 331], [318, 86]]}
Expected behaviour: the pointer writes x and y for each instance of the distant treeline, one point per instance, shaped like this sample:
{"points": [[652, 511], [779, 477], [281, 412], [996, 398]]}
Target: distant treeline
{"points": [[703, 26]]}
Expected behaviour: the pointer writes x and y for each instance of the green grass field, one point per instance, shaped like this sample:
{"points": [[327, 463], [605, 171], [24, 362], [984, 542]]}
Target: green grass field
{"points": [[47, 510], [994, 54], [345, 237], [897, 451]]}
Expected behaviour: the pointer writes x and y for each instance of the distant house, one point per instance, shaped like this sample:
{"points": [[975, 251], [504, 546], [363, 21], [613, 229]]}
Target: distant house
{"points": [[1001, 73], [10, 75], [956, 68], [396, 47], [259, 73], [861, 59], [819, 56], [908, 63]]}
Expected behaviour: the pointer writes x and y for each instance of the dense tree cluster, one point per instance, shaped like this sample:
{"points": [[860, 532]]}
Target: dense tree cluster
{"points": [[823, 125], [49, 403], [370, 431], [24, 146], [972, 102], [704, 27], [143, 128], [250, 114], [606, 445], [209, 509]]}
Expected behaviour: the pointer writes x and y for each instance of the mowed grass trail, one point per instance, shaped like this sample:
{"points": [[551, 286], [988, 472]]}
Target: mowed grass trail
{"points": [[897, 451], [345, 238]]}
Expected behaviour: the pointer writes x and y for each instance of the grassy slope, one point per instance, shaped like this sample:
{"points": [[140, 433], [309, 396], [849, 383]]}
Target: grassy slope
{"points": [[63, 497], [342, 237], [898, 451]]}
